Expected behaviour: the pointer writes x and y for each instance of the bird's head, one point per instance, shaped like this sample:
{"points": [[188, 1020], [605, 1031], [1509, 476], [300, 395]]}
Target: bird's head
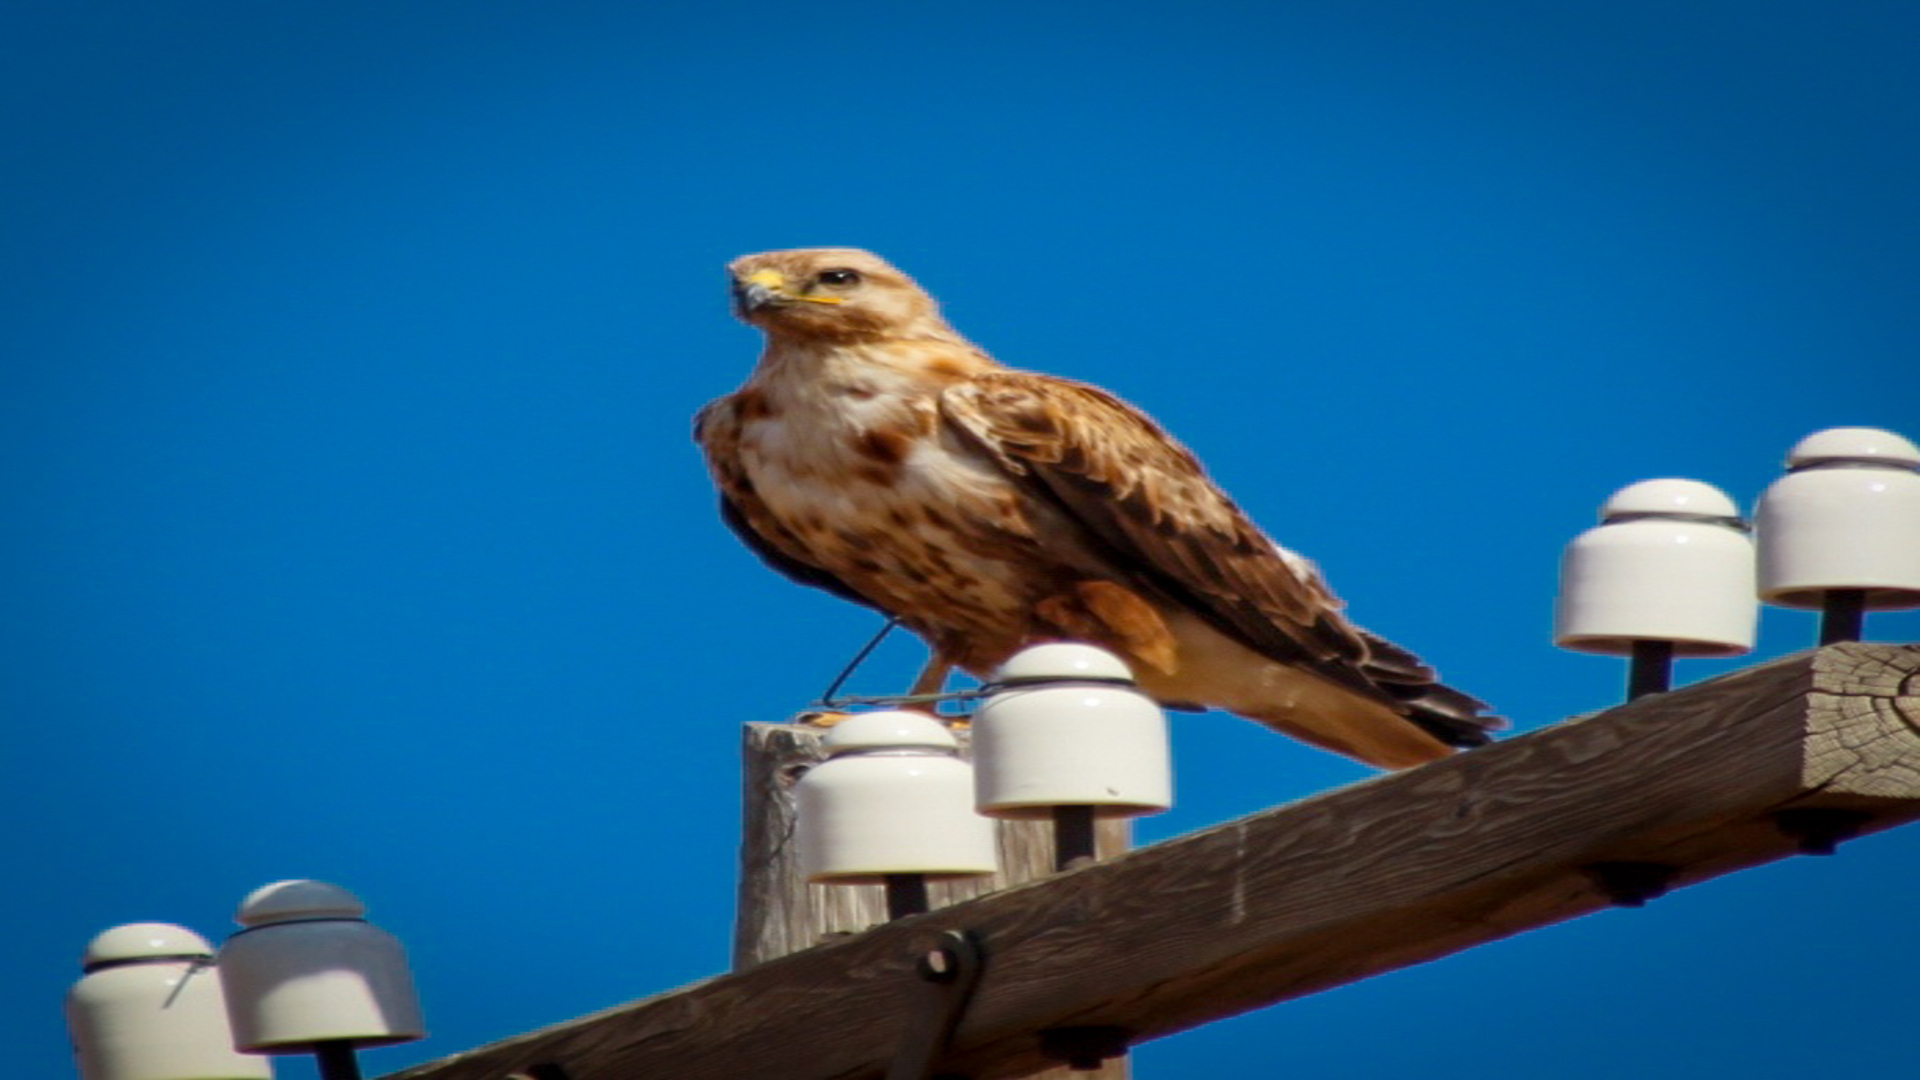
{"points": [[831, 293]]}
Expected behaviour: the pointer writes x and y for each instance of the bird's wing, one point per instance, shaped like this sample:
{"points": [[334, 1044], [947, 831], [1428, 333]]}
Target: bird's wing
{"points": [[717, 431], [1166, 527]]}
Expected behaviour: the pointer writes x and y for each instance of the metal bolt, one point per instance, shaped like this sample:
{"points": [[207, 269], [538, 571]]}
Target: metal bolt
{"points": [[1084, 1048], [1818, 830], [939, 965], [1631, 884]]}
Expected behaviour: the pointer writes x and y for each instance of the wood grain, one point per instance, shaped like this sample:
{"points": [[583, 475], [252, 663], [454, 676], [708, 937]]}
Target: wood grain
{"points": [[1394, 871], [777, 911]]}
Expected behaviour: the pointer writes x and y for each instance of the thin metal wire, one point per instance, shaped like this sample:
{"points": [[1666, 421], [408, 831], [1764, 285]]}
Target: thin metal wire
{"points": [[828, 700], [903, 699]]}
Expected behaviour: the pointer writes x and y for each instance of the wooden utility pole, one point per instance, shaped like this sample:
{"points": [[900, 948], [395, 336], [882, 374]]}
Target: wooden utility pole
{"points": [[778, 912], [1793, 756]]}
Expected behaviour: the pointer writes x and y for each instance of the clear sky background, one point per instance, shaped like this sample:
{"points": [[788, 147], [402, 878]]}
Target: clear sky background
{"points": [[352, 529]]}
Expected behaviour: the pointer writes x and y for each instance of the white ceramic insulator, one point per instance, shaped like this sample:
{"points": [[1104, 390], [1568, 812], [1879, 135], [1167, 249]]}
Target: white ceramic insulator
{"points": [[1846, 516], [150, 1007], [309, 968], [1669, 562], [893, 797], [1068, 728]]}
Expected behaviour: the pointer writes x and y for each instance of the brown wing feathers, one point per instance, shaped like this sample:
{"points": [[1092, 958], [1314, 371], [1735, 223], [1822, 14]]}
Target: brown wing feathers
{"points": [[1147, 500]]}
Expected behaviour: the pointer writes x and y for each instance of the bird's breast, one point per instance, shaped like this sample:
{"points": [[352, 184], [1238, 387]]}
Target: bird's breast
{"points": [[879, 494]]}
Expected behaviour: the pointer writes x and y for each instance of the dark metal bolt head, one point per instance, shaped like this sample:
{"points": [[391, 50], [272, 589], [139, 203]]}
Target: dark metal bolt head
{"points": [[1819, 830], [1084, 1048], [1630, 884]]}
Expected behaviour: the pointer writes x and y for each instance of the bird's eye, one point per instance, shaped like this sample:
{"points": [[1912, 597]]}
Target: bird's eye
{"points": [[838, 277]]}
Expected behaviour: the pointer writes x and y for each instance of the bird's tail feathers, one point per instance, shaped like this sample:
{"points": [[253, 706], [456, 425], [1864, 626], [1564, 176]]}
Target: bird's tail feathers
{"points": [[1455, 718]]}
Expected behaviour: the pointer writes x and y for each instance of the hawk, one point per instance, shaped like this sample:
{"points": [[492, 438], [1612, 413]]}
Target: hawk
{"points": [[877, 454]]}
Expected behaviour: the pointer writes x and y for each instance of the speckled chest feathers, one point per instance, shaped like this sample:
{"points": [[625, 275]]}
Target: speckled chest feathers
{"points": [[844, 451]]}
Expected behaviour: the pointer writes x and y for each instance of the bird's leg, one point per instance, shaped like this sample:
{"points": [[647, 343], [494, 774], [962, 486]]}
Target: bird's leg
{"points": [[933, 677], [933, 680]]}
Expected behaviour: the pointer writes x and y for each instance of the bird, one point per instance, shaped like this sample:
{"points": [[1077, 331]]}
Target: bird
{"points": [[875, 453]]}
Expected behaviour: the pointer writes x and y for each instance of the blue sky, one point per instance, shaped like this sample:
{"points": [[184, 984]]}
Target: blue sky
{"points": [[355, 533]]}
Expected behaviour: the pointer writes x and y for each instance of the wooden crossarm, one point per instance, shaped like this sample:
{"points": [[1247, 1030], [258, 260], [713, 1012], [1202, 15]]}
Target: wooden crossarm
{"points": [[1300, 898]]}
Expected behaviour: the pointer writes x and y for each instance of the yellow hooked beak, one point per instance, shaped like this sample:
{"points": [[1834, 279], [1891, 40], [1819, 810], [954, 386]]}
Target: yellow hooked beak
{"points": [[763, 285]]}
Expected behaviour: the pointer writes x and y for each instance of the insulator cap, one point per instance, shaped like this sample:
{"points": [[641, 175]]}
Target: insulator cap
{"points": [[1846, 516], [143, 941], [1854, 444], [1058, 660], [890, 729], [150, 1007], [893, 797], [1670, 561], [1669, 498], [1083, 738], [308, 968]]}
